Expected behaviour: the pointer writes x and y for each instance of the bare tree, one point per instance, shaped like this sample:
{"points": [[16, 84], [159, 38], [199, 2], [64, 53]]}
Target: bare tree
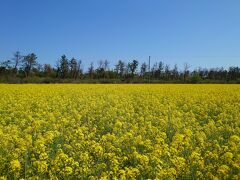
{"points": [[106, 68], [143, 69], [100, 71], [167, 71], [154, 70], [16, 60], [91, 70], [119, 68], [106, 65], [175, 72], [47, 70], [79, 69], [186, 71]]}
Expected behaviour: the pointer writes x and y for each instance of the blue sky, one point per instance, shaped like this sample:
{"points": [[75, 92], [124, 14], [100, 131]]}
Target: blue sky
{"points": [[203, 33]]}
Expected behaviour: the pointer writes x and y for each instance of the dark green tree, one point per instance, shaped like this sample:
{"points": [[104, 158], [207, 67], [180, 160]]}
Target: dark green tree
{"points": [[133, 67], [29, 62], [64, 67], [160, 69], [73, 64]]}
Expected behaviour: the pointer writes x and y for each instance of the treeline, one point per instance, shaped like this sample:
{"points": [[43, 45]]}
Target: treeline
{"points": [[26, 69]]}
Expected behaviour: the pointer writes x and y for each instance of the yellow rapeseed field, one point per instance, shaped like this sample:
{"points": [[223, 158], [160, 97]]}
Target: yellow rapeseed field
{"points": [[119, 131]]}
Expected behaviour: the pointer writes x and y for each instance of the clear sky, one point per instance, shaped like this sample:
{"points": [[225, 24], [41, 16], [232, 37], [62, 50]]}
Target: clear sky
{"points": [[201, 32]]}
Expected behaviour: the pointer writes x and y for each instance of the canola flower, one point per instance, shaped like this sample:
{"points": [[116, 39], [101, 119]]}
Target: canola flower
{"points": [[119, 131]]}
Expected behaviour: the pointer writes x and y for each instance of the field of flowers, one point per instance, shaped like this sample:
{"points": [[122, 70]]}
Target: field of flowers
{"points": [[120, 131]]}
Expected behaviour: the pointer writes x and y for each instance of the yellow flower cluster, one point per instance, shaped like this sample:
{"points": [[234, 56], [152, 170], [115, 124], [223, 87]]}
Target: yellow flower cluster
{"points": [[120, 131]]}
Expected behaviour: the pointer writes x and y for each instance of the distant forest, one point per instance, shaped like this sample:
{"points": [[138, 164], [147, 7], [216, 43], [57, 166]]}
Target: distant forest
{"points": [[26, 69]]}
